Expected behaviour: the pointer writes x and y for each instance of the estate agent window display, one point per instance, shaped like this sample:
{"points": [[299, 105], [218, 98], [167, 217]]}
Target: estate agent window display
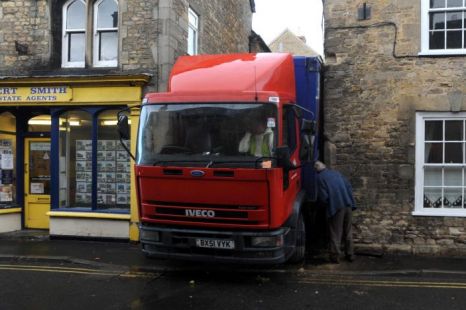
{"points": [[92, 179]]}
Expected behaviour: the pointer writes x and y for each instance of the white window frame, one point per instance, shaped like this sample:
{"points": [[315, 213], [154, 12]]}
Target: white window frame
{"points": [[195, 27], [65, 38], [425, 10], [96, 42], [419, 209]]}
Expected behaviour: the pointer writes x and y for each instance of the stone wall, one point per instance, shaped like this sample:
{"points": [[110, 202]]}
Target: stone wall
{"points": [[24, 22], [374, 84], [152, 33], [217, 18]]}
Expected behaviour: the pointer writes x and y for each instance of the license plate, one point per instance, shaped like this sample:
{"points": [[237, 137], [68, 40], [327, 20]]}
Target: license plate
{"points": [[215, 244]]}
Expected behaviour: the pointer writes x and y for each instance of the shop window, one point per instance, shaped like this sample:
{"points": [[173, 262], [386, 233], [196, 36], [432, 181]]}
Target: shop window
{"points": [[193, 32], [7, 161], [102, 32], [41, 123], [75, 159], [113, 165], [440, 164], [94, 179]]}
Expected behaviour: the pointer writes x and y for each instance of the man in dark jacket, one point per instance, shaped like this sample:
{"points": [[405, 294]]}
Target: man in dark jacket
{"points": [[335, 192]]}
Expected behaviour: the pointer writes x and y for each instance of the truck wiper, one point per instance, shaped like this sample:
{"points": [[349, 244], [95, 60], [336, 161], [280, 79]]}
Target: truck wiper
{"points": [[156, 163], [255, 161]]}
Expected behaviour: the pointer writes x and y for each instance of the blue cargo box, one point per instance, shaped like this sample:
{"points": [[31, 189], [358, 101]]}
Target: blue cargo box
{"points": [[308, 76]]}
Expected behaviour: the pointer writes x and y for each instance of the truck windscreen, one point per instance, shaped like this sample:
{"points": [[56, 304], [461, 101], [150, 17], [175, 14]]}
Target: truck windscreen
{"points": [[206, 134]]}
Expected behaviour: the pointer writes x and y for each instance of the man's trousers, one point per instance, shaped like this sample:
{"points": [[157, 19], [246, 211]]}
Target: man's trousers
{"points": [[340, 229]]}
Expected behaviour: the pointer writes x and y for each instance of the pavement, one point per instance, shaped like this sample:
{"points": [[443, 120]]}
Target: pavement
{"points": [[36, 247]]}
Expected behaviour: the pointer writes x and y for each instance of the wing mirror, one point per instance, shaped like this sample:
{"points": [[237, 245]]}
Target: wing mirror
{"points": [[124, 131], [283, 158], [123, 127]]}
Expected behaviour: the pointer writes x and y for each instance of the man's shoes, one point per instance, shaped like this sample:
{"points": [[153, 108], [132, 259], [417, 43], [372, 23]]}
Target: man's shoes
{"points": [[350, 258]]}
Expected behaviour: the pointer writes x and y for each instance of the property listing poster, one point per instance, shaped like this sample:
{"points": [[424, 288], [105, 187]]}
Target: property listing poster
{"points": [[113, 172], [6, 172]]}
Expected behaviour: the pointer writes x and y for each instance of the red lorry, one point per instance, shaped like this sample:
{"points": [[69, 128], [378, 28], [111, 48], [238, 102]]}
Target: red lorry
{"points": [[203, 196]]}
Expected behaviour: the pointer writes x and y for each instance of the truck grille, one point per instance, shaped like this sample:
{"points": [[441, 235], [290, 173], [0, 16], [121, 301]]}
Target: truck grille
{"points": [[182, 211], [201, 205], [201, 213]]}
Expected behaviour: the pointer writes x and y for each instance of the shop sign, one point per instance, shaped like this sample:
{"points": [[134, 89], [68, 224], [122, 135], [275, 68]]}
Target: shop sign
{"points": [[36, 94]]}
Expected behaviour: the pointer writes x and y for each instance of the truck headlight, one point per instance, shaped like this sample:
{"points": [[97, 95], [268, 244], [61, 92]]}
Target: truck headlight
{"points": [[267, 242], [150, 235]]}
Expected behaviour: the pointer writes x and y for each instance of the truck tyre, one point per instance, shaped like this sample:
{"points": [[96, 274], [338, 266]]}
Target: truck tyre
{"points": [[300, 250]]}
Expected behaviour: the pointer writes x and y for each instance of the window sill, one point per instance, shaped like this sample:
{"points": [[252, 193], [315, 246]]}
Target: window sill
{"points": [[443, 53], [441, 212], [10, 210], [89, 214]]}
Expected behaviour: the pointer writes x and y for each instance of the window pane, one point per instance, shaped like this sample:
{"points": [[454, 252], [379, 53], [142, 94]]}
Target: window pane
{"points": [[113, 175], [289, 129], [453, 130], [108, 46], [76, 47], [453, 197], [454, 3], [107, 16], [39, 168], [432, 176], [454, 153], [453, 177], [437, 4], [76, 15], [437, 21], [8, 168], [41, 123], [454, 39], [454, 20], [437, 40], [75, 160], [433, 153], [434, 131], [191, 41], [192, 17], [432, 197]]}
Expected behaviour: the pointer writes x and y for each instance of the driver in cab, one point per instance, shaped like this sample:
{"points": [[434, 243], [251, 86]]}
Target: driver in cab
{"points": [[258, 141]]}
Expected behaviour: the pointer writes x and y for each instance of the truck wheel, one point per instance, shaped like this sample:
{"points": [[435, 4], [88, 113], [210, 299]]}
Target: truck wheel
{"points": [[300, 250]]}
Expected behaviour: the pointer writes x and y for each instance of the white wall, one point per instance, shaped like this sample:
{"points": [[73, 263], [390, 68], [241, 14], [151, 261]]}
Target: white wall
{"points": [[85, 227], [10, 222]]}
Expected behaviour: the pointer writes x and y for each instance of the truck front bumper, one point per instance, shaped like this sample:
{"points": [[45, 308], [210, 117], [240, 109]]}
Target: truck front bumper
{"points": [[256, 247]]}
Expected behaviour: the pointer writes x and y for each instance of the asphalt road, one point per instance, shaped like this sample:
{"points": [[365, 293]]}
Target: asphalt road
{"points": [[30, 285]]}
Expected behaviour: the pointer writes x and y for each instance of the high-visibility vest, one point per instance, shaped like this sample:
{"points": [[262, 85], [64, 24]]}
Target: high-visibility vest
{"points": [[265, 145]]}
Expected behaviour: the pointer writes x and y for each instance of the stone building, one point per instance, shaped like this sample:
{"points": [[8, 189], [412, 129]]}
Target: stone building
{"points": [[66, 68], [395, 120], [288, 42]]}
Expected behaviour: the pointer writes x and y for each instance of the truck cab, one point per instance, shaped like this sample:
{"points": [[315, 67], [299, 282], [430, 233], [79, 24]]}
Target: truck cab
{"points": [[224, 159]]}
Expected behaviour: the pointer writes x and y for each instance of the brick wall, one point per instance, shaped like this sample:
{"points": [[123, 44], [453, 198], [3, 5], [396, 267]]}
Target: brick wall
{"points": [[374, 84]]}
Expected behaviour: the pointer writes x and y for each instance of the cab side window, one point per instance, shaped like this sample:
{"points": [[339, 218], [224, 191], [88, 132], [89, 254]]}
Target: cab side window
{"points": [[289, 128]]}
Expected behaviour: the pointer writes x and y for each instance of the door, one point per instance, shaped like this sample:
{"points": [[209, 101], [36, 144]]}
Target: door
{"points": [[37, 182]]}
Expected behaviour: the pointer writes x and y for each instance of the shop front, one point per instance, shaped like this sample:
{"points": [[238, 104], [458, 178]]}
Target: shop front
{"points": [[62, 165]]}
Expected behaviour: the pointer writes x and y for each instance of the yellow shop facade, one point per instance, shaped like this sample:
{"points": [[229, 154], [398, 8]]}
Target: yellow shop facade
{"points": [[63, 167]]}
